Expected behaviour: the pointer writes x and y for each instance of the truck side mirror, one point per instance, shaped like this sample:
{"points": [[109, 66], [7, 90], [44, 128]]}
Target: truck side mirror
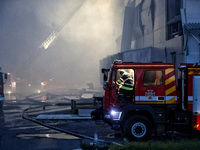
{"points": [[105, 84], [6, 76], [105, 77], [105, 73], [103, 70]]}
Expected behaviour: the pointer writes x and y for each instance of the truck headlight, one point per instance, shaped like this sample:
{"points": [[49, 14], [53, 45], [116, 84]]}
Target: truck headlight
{"points": [[115, 115]]}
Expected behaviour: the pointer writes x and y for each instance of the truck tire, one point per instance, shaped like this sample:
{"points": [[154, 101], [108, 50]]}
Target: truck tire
{"points": [[137, 128]]}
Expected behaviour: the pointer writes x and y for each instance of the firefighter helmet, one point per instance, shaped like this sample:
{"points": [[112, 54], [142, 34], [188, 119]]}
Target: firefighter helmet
{"points": [[122, 71]]}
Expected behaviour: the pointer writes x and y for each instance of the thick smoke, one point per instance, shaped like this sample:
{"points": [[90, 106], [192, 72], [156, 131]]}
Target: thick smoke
{"points": [[87, 32]]}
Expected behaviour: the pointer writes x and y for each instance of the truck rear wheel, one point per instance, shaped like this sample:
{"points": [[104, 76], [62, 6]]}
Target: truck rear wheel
{"points": [[137, 128]]}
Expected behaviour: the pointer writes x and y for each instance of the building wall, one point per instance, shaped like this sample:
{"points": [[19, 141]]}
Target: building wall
{"points": [[149, 25], [174, 48], [127, 29], [190, 14], [150, 29], [192, 8], [152, 32]]}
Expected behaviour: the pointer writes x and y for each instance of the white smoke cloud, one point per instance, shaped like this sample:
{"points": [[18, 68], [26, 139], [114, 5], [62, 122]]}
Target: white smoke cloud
{"points": [[87, 29], [89, 35]]}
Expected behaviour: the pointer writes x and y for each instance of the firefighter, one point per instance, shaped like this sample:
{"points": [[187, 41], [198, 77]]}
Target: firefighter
{"points": [[125, 86]]}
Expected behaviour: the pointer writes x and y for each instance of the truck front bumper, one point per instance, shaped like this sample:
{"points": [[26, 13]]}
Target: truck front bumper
{"points": [[113, 119]]}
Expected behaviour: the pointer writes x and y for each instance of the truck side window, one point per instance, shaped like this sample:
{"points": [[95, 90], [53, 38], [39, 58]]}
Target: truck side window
{"points": [[153, 78], [125, 85]]}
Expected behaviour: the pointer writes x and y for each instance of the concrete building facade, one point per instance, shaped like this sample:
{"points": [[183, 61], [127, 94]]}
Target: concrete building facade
{"points": [[159, 31]]}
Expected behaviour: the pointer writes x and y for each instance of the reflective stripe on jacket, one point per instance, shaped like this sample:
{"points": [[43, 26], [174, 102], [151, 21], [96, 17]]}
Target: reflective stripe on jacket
{"points": [[126, 81]]}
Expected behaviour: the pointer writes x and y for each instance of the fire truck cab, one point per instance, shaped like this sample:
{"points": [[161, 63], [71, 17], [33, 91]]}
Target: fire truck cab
{"points": [[158, 102]]}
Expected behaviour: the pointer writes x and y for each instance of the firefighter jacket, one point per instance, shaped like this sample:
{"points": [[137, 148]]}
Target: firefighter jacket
{"points": [[125, 82]]}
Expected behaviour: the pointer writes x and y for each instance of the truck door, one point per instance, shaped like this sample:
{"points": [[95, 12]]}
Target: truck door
{"points": [[125, 85], [152, 90], [113, 88]]}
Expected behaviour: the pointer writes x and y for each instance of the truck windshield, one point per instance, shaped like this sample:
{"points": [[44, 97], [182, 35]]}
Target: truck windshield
{"points": [[109, 75]]}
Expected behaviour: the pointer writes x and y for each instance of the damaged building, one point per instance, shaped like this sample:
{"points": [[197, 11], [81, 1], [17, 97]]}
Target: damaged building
{"points": [[159, 31]]}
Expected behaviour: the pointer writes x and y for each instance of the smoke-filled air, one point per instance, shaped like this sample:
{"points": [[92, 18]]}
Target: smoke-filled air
{"points": [[58, 41]]}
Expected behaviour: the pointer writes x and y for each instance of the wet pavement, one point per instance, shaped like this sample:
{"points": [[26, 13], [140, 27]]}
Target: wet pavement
{"points": [[17, 133]]}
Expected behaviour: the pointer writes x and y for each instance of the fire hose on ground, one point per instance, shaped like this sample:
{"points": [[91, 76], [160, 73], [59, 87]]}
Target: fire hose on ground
{"points": [[66, 131]]}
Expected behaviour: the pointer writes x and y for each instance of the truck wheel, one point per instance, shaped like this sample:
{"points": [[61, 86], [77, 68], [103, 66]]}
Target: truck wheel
{"points": [[137, 128]]}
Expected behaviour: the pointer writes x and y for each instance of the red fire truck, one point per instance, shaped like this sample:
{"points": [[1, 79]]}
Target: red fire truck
{"points": [[2, 77], [162, 99]]}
